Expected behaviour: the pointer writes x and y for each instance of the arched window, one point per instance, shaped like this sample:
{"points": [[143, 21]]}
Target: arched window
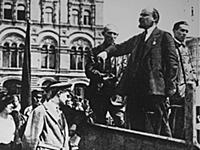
{"points": [[87, 17], [75, 19], [48, 54], [78, 52], [20, 53], [48, 16], [7, 11], [6, 52], [52, 57], [80, 58], [13, 53], [73, 55], [44, 54], [21, 12]]}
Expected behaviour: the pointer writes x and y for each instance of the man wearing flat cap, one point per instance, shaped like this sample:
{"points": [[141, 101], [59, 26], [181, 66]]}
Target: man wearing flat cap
{"points": [[103, 79], [47, 127], [37, 99]]}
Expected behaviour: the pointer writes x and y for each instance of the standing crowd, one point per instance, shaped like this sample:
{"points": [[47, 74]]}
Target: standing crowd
{"points": [[139, 84], [50, 123]]}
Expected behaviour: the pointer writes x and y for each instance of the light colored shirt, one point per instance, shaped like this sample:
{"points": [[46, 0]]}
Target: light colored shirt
{"points": [[7, 129], [188, 70], [28, 110], [149, 31]]}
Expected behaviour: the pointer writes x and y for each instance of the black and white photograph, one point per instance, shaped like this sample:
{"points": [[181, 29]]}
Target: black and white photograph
{"points": [[99, 75]]}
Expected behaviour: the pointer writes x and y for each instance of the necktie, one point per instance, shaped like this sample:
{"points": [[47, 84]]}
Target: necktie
{"points": [[179, 45]]}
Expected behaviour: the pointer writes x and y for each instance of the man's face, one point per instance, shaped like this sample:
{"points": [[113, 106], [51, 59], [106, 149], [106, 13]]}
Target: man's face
{"points": [[146, 19], [16, 101], [181, 33], [110, 37], [38, 98], [65, 97]]}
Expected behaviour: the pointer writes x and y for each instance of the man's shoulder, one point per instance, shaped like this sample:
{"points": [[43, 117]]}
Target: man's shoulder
{"points": [[39, 109], [96, 50], [164, 32], [97, 47]]}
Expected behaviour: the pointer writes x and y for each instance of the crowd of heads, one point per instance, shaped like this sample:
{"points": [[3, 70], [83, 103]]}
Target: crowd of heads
{"points": [[62, 91], [6, 101]]}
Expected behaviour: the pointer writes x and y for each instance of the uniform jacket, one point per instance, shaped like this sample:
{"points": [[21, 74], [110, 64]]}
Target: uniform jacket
{"points": [[186, 72], [43, 130], [159, 63], [94, 69]]}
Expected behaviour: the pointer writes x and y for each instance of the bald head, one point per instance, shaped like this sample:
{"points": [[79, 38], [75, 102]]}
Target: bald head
{"points": [[148, 18]]}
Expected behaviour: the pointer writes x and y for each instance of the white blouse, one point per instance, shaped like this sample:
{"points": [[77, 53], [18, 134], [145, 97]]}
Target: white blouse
{"points": [[7, 129]]}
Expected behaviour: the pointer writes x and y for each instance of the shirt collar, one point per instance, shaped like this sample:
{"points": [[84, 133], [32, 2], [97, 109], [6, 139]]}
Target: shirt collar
{"points": [[149, 31], [178, 43], [53, 106]]}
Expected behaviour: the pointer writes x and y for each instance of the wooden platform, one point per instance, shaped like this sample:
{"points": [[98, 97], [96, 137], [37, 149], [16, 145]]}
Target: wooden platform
{"points": [[101, 137]]}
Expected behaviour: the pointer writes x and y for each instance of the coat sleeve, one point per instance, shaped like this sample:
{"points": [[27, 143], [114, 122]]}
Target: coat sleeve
{"points": [[123, 48], [171, 63], [91, 70], [33, 129]]}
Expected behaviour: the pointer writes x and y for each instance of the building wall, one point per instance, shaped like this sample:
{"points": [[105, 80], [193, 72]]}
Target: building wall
{"points": [[62, 31], [192, 14]]}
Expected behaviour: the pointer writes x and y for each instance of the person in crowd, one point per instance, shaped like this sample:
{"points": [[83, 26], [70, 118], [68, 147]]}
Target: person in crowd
{"points": [[150, 74], [19, 119], [103, 79], [16, 102], [7, 125], [37, 99], [186, 75], [47, 127]]}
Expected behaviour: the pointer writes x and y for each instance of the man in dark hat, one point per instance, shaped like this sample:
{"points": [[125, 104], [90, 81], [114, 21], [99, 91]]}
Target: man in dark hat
{"points": [[47, 127], [37, 99]]}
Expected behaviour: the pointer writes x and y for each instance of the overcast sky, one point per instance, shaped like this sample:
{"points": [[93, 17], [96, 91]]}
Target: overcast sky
{"points": [[125, 14]]}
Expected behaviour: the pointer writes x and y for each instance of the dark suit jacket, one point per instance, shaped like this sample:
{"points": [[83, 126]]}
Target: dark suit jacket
{"points": [[159, 63], [94, 69]]}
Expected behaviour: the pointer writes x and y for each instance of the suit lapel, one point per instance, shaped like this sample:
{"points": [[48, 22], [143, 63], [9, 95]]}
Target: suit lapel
{"points": [[136, 48], [151, 41], [52, 113]]}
